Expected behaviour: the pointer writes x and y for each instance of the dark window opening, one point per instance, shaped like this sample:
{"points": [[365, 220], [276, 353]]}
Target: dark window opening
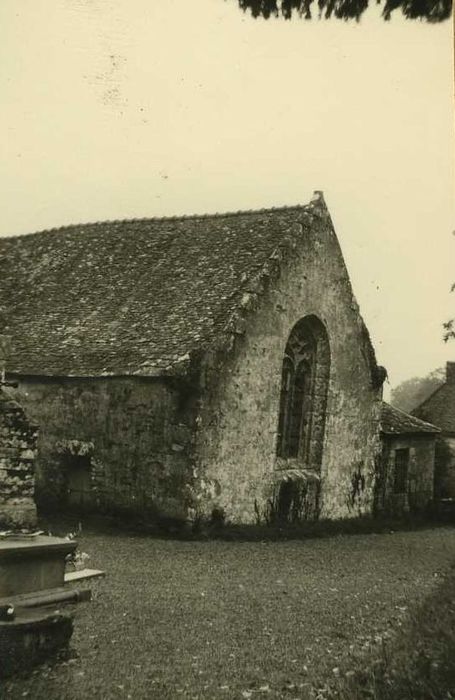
{"points": [[400, 483]]}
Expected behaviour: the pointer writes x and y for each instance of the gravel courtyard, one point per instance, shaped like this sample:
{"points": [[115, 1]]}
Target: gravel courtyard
{"points": [[227, 620]]}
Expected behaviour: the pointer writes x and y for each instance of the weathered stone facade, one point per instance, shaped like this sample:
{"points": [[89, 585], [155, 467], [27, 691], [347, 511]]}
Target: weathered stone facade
{"points": [[17, 455], [445, 466], [238, 379], [439, 409], [238, 421], [129, 434]]}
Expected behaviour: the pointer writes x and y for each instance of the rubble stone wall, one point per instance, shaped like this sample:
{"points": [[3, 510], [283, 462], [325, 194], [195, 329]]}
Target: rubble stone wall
{"points": [[17, 456], [128, 434]]}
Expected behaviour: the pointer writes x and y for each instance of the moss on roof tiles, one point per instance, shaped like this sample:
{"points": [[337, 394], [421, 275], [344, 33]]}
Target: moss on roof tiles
{"points": [[135, 296]]}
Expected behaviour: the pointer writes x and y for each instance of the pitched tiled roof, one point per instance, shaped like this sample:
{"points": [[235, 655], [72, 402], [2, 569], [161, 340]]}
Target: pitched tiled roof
{"points": [[396, 422], [439, 407], [137, 296]]}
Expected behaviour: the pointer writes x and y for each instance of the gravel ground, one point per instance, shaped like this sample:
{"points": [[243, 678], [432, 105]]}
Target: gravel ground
{"points": [[235, 619]]}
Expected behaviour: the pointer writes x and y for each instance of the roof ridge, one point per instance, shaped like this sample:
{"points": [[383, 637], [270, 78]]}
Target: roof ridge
{"points": [[174, 217]]}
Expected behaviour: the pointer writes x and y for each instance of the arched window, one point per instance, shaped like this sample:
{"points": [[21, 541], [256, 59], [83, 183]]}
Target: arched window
{"points": [[303, 398]]}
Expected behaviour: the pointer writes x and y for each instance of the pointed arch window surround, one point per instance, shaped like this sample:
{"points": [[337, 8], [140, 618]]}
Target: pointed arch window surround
{"points": [[303, 397]]}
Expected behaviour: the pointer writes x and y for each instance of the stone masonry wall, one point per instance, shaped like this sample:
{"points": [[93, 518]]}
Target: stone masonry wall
{"points": [[445, 466], [450, 445], [17, 455], [235, 459], [420, 473], [132, 431]]}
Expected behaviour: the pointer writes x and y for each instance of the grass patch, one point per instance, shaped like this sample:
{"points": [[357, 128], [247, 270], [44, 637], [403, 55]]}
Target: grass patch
{"points": [[209, 620], [418, 663]]}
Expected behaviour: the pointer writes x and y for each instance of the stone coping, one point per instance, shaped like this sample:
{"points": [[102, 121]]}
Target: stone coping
{"points": [[82, 574], [24, 548]]}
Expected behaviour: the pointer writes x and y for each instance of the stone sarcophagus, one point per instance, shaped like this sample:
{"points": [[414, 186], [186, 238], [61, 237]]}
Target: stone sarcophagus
{"points": [[32, 564]]}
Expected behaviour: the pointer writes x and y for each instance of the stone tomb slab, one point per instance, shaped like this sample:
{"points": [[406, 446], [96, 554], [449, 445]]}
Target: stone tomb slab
{"points": [[29, 565]]}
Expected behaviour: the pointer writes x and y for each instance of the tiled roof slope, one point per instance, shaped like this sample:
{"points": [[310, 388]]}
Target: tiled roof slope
{"points": [[136, 296], [439, 407], [396, 422]]}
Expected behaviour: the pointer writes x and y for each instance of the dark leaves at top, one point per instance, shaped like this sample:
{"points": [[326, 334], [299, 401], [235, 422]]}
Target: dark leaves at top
{"points": [[429, 10]]}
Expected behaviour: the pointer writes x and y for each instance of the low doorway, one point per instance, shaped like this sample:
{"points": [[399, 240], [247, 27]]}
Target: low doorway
{"points": [[79, 481]]}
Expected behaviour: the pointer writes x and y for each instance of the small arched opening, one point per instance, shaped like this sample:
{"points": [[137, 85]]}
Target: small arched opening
{"points": [[296, 496]]}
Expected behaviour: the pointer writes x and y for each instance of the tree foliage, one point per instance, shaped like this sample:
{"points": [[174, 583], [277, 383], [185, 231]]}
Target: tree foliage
{"points": [[449, 326], [429, 10], [410, 393], [449, 330]]}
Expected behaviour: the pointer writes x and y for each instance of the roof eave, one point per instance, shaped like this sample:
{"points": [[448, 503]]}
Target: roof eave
{"points": [[408, 433]]}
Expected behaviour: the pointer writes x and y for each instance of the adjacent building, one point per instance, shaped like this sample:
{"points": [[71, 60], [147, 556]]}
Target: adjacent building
{"points": [[405, 480], [439, 408]]}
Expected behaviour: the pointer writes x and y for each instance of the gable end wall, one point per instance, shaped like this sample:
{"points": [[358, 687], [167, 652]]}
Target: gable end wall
{"points": [[235, 456]]}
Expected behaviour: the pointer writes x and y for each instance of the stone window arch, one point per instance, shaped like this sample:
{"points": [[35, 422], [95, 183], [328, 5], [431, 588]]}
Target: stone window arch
{"points": [[303, 398]]}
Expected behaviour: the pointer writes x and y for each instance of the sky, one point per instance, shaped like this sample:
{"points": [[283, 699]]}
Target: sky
{"points": [[117, 109]]}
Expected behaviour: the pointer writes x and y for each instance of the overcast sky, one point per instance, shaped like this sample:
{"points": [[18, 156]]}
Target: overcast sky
{"points": [[129, 108]]}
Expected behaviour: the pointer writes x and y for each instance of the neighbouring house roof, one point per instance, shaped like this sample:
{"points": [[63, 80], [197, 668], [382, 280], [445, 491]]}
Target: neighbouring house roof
{"points": [[397, 422], [139, 297], [439, 407]]}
